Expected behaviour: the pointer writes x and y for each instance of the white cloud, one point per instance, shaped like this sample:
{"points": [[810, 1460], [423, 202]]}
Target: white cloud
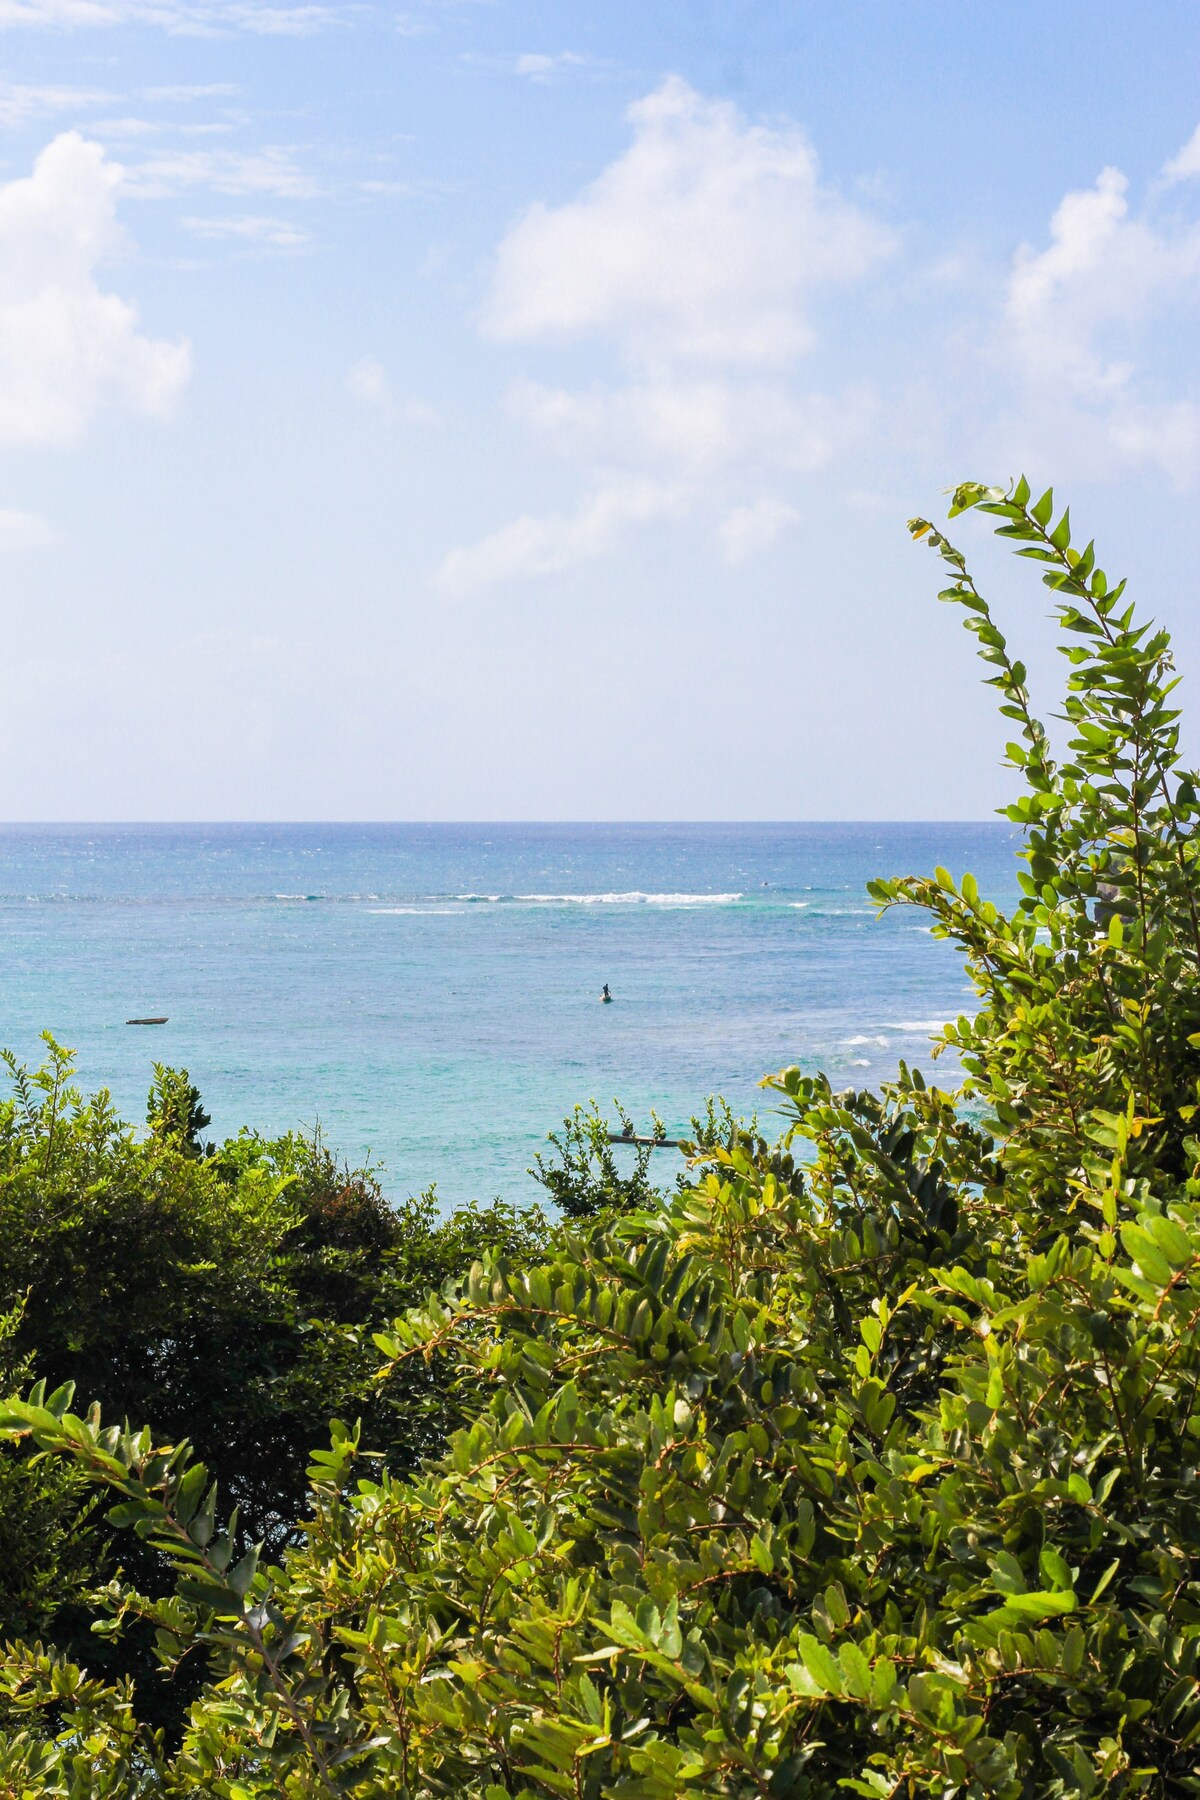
{"points": [[22, 530], [251, 228], [1166, 434], [699, 255], [66, 346], [1187, 163], [748, 529], [272, 170], [22, 102], [125, 131], [707, 239], [130, 132], [285, 21], [1074, 331], [694, 424], [367, 380], [1101, 268], [532, 548], [57, 12], [424, 188], [183, 17], [540, 67], [187, 91]]}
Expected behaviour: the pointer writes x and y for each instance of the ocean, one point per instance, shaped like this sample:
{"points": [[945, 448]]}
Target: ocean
{"points": [[428, 994]]}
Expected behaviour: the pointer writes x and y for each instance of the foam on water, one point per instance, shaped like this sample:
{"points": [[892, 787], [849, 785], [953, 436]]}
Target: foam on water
{"points": [[631, 899]]}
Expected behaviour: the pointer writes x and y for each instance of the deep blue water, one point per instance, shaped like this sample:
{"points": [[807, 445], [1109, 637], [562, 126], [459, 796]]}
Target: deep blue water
{"points": [[429, 992]]}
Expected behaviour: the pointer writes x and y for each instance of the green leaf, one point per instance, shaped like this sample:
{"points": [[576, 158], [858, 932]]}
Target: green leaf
{"points": [[856, 1670], [1043, 508], [821, 1664], [1007, 1574], [1104, 1580], [1146, 1254], [1055, 1569]]}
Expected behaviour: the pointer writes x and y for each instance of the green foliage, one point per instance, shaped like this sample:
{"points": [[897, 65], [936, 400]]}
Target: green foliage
{"points": [[584, 1176], [1077, 1024], [226, 1295], [862, 1463], [175, 1110], [49, 1557], [595, 1171]]}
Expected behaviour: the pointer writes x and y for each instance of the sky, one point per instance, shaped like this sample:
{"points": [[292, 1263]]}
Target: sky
{"points": [[481, 409]]}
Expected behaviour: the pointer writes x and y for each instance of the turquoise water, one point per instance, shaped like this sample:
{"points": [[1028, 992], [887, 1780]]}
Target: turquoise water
{"points": [[429, 992]]}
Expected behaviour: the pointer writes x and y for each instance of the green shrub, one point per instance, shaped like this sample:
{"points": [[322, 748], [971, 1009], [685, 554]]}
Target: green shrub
{"points": [[225, 1295]]}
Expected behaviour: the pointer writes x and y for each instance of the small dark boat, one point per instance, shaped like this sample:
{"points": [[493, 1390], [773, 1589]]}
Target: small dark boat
{"points": [[161, 1021]]}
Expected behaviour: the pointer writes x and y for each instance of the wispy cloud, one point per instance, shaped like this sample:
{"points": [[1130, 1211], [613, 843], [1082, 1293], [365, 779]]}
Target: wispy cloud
{"points": [[697, 423], [128, 130], [287, 21], [182, 93], [533, 547], [537, 66], [57, 12], [251, 229], [181, 17], [368, 381], [273, 169], [747, 530], [22, 103]]}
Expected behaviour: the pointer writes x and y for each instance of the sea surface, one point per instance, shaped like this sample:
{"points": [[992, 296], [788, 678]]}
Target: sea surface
{"points": [[429, 993]]}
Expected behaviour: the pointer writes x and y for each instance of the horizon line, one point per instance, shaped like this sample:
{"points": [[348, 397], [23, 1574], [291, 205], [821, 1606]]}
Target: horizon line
{"points": [[490, 824]]}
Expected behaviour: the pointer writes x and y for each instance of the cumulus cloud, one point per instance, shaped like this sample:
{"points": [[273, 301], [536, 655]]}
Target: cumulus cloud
{"points": [[748, 529], [367, 380], [67, 346], [533, 547], [707, 239], [1074, 326], [1101, 268], [700, 256], [1187, 163]]}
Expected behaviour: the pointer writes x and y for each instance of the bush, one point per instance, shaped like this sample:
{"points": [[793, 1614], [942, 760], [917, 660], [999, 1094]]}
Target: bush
{"points": [[225, 1295], [870, 1469]]}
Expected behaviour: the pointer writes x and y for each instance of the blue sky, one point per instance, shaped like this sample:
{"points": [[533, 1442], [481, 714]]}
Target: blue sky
{"points": [[512, 411]]}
